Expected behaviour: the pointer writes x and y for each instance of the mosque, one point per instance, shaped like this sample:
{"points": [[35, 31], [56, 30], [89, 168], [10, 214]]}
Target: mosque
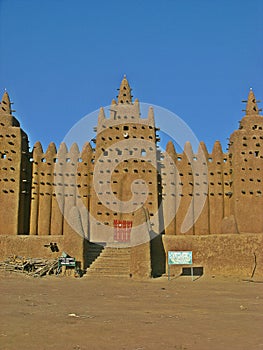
{"points": [[121, 202]]}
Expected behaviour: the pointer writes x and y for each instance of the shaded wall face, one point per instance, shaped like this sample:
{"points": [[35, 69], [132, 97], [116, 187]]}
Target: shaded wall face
{"points": [[25, 186]]}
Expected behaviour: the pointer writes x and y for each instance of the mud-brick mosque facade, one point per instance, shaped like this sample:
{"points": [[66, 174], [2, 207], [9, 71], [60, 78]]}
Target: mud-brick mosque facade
{"points": [[127, 199]]}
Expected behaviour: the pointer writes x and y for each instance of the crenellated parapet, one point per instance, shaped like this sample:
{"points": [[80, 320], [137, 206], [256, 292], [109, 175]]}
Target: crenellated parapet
{"points": [[196, 190], [60, 181]]}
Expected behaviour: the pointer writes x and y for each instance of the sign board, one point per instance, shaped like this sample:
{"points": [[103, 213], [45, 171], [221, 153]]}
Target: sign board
{"points": [[67, 261], [180, 258]]}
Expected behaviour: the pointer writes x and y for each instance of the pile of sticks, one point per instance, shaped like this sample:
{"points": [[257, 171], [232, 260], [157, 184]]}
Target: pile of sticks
{"points": [[35, 267]]}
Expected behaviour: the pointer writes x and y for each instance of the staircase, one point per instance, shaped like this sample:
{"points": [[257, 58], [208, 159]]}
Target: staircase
{"points": [[111, 262]]}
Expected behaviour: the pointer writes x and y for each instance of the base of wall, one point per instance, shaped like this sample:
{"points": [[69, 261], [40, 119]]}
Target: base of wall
{"points": [[39, 246], [237, 255]]}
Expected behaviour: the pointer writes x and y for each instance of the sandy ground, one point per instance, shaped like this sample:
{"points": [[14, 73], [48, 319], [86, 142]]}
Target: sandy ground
{"points": [[91, 313]]}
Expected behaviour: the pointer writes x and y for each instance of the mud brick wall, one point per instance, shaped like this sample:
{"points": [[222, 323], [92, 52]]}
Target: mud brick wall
{"points": [[34, 246], [226, 254]]}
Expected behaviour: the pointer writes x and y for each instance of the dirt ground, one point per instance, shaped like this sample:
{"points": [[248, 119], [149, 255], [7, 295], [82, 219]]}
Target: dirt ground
{"points": [[91, 313]]}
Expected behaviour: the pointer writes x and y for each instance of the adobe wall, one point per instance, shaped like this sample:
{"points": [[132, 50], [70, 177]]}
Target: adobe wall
{"points": [[29, 246], [140, 263], [197, 190], [34, 246], [224, 254], [247, 163], [13, 182]]}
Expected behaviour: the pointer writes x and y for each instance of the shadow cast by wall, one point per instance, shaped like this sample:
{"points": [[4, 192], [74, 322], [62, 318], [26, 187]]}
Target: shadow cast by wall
{"points": [[157, 255]]}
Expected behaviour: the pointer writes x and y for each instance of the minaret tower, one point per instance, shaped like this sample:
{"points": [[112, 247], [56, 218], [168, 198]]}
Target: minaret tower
{"points": [[125, 175], [246, 157], [124, 92], [15, 174]]}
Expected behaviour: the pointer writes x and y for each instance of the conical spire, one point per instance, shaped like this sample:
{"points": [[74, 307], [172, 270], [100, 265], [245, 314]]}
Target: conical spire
{"points": [[6, 104], [37, 151], [86, 152], [188, 150], [202, 150], [51, 151], [63, 150], [124, 92], [217, 149], [251, 107], [171, 150], [101, 116], [151, 115]]}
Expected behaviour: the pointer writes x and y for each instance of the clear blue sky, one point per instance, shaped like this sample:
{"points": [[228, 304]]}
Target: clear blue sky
{"points": [[61, 59]]}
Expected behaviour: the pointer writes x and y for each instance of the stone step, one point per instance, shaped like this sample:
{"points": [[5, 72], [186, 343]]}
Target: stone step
{"points": [[109, 267], [99, 275], [112, 255], [115, 252], [111, 262], [116, 257], [101, 272]]}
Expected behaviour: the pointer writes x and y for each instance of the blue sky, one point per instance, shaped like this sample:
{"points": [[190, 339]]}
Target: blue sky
{"points": [[61, 60]]}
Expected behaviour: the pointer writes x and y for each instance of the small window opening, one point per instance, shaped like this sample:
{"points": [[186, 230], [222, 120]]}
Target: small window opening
{"points": [[143, 153]]}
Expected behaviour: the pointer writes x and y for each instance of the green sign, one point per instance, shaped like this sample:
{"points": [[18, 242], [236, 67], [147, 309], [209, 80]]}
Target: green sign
{"points": [[180, 258]]}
